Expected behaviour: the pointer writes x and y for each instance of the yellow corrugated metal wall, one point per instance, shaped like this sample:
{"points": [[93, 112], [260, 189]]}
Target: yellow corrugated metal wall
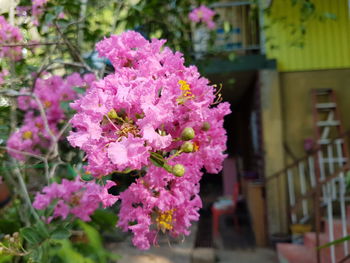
{"points": [[327, 43]]}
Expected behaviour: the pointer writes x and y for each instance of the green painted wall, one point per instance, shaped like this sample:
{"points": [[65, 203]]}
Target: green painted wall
{"points": [[327, 43]]}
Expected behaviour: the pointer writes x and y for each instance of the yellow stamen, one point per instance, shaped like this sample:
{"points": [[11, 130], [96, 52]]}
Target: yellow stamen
{"points": [[47, 104], [195, 146], [39, 125], [165, 219], [27, 135], [186, 92], [184, 85]]}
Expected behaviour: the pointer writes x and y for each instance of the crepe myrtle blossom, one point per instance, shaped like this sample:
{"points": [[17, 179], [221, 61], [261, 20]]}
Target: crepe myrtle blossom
{"points": [[158, 116], [37, 10], [32, 137], [10, 34], [76, 198], [204, 15]]}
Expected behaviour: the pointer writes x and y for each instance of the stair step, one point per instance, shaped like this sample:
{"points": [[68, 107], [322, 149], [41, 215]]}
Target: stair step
{"points": [[292, 253], [310, 241], [323, 91], [328, 141], [337, 228], [326, 105], [328, 123]]}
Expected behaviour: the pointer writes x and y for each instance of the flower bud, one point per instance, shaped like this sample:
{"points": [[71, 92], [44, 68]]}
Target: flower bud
{"points": [[187, 147], [178, 170], [187, 134], [112, 114], [15, 235], [12, 240], [205, 126], [7, 237]]}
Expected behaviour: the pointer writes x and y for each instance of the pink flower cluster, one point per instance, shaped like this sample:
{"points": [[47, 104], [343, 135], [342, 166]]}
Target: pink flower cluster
{"points": [[77, 198], [37, 10], [203, 14], [32, 137], [10, 34], [152, 114]]}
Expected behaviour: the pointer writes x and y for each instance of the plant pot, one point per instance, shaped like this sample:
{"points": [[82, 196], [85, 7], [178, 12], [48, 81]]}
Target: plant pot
{"points": [[279, 238], [5, 195]]}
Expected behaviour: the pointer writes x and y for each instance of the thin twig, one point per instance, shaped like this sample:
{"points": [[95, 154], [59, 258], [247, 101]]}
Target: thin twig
{"points": [[31, 44], [25, 193], [73, 50], [23, 153], [43, 159]]}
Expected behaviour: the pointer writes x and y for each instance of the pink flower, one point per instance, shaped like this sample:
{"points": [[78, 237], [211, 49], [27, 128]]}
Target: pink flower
{"points": [[76, 198], [130, 153], [134, 119], [106, 198], [203, 14], [10, 34], [32, 137]]}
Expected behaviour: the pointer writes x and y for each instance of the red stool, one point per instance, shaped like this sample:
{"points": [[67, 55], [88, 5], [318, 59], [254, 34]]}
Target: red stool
{"points": [[224, 207]]}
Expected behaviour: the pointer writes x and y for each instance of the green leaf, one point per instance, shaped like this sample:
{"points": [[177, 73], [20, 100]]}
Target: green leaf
{"points": [[105, 218], [60, 233], [67, 253], [92, 234], [49, 18], [95, 241], [87, 177], [31, 235], [157, 162], [71, 171], [335, 242]]}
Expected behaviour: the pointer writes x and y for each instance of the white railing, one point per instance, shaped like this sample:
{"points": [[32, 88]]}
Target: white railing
{"points": [[319, 178]]}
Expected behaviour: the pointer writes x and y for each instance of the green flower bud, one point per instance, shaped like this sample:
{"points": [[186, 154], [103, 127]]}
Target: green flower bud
{"points": [[205, 126], [187, 147], [112, 114], [178, 170], [187, 134]]}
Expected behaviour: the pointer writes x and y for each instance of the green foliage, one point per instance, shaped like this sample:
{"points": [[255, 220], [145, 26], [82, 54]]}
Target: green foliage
{"points": [[307, 12], [90, 249], [335, 242]]}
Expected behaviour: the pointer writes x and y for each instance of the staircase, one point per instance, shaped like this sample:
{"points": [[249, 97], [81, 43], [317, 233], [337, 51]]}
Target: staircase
{"points": [[317, 190], [307, 253]]}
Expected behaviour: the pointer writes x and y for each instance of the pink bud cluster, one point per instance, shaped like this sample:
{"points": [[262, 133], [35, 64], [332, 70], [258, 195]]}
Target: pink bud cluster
{"points": [[204, 15], [77, 198], [10, 34], [153, 115], [32, 136]]}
